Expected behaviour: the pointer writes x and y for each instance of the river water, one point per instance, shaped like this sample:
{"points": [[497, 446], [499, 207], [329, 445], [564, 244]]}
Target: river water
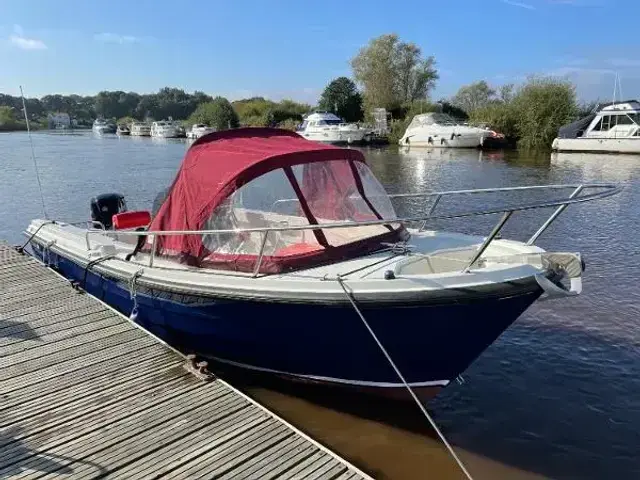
{"points": [[556, 396]]}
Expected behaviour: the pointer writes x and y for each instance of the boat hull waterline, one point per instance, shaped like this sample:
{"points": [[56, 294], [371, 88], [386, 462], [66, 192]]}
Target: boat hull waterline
{"points": [[432, 343]]}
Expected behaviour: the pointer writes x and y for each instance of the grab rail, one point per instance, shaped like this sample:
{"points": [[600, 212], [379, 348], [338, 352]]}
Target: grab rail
{"points": [[608, 189]]}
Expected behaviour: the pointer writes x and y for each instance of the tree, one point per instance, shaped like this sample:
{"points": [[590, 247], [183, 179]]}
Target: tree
{"points": [[218, 114], [342, 98], [474, 96], [541, 106], [392, 72], [7, 117]]}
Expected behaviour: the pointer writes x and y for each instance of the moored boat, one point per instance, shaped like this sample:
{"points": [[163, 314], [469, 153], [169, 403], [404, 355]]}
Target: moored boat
{"points": [[165, 129], [140, 129], [611, 128], [265, 242], [199, 130], [439, 130], [101, 126], [329, 128], [123, 130]]}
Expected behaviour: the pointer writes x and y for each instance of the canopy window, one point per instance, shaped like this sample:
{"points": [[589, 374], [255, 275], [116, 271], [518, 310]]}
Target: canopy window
{"points": [[265, 178]]}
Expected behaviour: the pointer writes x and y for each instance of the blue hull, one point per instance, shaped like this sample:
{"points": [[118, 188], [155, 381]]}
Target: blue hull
{"points": [[430, 343]]}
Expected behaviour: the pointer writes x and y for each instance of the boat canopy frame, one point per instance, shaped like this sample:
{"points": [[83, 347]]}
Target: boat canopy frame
{"points": [[579, 194]]}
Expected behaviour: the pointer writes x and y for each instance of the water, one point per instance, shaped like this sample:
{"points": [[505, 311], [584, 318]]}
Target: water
{"points": [[557, 396]]}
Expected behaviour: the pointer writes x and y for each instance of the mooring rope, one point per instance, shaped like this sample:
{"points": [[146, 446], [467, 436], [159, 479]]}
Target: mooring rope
{"points": [[401, 377], [133, 293]]}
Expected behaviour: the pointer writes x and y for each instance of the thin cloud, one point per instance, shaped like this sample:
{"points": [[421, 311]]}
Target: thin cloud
{"points": [[625, 62], [518, 4], [115, 38], [18, 39]]}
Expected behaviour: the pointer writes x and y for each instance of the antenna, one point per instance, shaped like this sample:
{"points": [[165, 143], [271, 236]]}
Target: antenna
{"points": [[620, 89], [33, 153]]}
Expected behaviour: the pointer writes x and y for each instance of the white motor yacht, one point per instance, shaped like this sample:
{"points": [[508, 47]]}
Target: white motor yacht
{"points": [[199, 130], [611, 128], [140, 129], [329, 128], [101, 126], [442, 131], [164, 129]]}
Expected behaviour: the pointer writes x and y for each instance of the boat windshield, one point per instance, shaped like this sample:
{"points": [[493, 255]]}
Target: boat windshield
{"points": [[330, 122], [433, 119], [336, 191]]}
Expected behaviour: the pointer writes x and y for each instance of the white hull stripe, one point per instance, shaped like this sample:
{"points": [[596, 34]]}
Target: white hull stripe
{"points": [[357, 383]]}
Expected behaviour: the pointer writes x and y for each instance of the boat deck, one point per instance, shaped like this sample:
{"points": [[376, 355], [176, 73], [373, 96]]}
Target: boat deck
{"points": [[85, 393]]}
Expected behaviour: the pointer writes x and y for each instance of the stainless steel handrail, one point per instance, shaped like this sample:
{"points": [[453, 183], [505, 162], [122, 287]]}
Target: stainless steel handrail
{"points": [[608, 189]]}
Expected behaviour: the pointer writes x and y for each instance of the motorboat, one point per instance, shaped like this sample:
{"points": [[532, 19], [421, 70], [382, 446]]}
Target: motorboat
{"points": [[276, 254], [329, 128], [164, 129], [123, 129], [101, 126], [199, 130], [440, 130], [140, 129], [610, 128], [180, 130]]}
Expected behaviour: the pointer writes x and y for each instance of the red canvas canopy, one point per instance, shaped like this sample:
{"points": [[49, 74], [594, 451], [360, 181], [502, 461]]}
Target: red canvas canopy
{"points": [[325, 182]]}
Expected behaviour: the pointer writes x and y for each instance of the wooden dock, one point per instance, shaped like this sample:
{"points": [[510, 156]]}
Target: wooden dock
{"points": [[85, 393]]}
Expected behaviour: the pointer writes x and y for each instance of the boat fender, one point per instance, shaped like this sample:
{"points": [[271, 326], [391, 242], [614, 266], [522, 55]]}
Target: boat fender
{"points": [[442, 141], [453, 135], [430, 140], [389, 275]]}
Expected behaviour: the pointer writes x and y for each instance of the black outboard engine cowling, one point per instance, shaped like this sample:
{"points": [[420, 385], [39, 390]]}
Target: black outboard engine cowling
{"points": [[105, 206]]}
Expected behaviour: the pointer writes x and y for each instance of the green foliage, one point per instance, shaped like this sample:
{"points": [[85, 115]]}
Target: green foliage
{"points": [[474, 96], [541, 106], [397, 129], [289, 124], [531, 114], [218, 114], [342, 98], [126, 121], [500, 116], [7, 118], [259, 112], [392, 73]]}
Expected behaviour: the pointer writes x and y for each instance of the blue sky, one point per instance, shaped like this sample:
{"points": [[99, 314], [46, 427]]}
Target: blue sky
{"points": [[291, 49]]}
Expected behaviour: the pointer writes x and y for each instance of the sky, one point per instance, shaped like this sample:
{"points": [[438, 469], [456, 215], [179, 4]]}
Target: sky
{"points": [[292, 49]]}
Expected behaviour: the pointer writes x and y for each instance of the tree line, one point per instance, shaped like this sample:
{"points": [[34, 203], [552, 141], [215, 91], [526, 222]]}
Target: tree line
{"points": [[197, 107], [386, 73]]}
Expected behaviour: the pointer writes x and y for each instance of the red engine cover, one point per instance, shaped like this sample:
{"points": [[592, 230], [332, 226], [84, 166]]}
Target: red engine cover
{"points": [[126, 220]]}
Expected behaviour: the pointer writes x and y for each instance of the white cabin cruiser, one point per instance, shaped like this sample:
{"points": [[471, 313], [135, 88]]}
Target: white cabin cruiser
{"points": [[442, 131], [101, 126], [165, 129], [611, 128], [140, 129], [199, 130], [329, 128], [267, 248]]}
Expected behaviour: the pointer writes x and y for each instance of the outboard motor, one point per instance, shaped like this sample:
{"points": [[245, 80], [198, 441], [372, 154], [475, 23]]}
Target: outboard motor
{"points": [[105, 206]]}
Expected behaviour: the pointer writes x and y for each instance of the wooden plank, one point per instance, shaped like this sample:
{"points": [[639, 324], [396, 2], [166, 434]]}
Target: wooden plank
{"points": [[168, 458], [36, 324], [84, 393], [67, 348], [87, 380], [126, 346], [173, 432], [83, 324]]}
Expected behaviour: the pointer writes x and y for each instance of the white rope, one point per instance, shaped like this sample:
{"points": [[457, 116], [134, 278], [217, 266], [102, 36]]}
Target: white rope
{"points": [[133, 294], [407, 386], [33, 154]]}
